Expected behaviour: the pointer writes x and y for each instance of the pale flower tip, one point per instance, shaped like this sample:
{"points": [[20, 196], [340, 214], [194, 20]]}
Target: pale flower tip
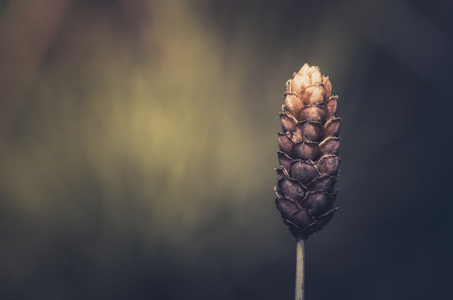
{"points": [[315, 75], [317, 97], [299, 83], [304, 68], [313, 95]]}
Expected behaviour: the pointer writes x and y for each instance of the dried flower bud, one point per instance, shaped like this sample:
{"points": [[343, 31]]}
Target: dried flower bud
{"points": [[308, 156]]}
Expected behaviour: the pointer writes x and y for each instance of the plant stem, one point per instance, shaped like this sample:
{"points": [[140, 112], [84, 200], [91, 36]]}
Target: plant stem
{"points": [[300, 249]]}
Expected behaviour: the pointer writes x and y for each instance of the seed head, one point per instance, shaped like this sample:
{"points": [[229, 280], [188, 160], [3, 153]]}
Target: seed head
{"points": [[308, 155]]}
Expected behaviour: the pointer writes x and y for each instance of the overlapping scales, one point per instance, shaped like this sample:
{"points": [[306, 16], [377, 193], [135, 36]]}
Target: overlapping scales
{"points": [[308, 155]]}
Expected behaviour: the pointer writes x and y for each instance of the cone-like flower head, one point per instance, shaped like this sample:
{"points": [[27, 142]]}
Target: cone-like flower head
{"points": [[308, 155]]}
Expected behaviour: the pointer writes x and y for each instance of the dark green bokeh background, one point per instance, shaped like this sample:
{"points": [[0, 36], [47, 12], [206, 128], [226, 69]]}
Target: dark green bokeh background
{"points": [[137, 148]]}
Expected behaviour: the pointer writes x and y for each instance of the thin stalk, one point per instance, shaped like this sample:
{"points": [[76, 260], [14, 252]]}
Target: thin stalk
{"points": [[300, 250]]}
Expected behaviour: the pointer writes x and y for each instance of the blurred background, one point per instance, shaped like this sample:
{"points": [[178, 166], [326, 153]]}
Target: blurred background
{"points": [[137, 144]]}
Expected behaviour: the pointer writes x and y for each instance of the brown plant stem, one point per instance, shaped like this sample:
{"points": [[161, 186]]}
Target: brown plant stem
{"points": [[300, 259]]}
